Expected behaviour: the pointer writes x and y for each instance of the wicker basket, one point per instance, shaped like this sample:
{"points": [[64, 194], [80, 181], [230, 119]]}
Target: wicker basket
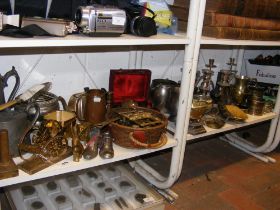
{"points": [[139, 138]]}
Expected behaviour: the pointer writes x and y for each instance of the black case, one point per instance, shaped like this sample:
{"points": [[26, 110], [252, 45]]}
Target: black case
{"points": [[5, 7], [31, 8], [65, 9]]}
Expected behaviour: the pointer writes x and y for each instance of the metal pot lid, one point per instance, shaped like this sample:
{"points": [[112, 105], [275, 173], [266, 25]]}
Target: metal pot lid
{"points": [[45, 98], [157, 82]]}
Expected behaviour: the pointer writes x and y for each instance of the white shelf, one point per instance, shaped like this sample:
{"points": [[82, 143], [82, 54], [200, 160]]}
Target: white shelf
{"points": [[67, 165], [228, 126], [82, 40], [215, 41]]}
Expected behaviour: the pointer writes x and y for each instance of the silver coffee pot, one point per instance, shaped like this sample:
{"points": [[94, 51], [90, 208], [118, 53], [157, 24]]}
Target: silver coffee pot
{"points": [[164, 95]]}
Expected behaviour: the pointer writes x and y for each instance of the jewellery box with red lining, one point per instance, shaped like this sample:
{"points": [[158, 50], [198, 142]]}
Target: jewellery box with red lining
{"points": [[130, 85]]}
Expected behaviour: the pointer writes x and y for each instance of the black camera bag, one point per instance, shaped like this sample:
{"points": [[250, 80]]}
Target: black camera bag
{"points": [[5, 7], [30, 8], [65, 9]]}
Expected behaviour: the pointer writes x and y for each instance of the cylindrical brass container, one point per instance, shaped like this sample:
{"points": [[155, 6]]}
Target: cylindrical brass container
{"points": [[257, 93], [4, 147], [256, 107], [268, 107]]}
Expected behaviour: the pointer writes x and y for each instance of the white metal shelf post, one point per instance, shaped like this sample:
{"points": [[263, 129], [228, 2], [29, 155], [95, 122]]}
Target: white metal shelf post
{"points": [[186, 87], [200, 19]]}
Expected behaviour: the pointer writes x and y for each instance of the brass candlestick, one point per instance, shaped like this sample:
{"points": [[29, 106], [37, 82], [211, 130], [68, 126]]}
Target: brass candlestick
{"points": [[7, 166]]}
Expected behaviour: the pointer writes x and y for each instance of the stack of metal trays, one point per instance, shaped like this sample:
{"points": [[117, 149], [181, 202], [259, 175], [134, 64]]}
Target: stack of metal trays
{"points": [[110, 187]]}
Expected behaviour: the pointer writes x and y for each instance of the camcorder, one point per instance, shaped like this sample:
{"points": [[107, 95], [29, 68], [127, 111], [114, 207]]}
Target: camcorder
{"points": [[98, 20], [115, 17]]}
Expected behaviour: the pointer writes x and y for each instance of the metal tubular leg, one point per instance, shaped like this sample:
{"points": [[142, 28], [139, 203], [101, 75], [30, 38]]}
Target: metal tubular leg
{"points": [[276, 139], [272, 140], [177, 152], [256, 155]]}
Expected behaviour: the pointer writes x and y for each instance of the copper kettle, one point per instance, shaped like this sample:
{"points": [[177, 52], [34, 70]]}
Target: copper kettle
{"points": [[3, 84]]}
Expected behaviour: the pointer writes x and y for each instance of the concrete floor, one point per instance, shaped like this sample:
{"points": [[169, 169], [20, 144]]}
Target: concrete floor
{"points": [[218, 176]]}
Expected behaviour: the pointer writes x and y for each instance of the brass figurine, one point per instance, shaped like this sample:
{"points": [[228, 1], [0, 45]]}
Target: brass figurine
{"points": [[49, 142], [77, 147]]}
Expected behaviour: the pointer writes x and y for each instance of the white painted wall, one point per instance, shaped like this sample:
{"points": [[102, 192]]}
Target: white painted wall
{"points": [[69, 72]]}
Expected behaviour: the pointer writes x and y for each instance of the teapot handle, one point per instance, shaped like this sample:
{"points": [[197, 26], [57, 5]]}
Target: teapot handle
{"points": [[9, 74], [37, 112], [36, 116], [63, 103]]}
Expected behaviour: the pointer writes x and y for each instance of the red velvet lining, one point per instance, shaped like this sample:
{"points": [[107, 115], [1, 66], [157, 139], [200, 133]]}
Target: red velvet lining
{"points": [[130, 84]]}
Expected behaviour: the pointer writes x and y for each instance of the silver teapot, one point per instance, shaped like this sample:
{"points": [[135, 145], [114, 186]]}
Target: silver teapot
{"points": [[46, 101]]}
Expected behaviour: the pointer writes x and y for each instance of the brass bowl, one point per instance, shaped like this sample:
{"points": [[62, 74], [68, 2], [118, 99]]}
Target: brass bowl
{"points": [[200, 105], [60, 116], [215, 122]]}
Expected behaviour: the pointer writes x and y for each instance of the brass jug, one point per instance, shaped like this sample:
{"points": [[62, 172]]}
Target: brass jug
{"points": [[222, 92], [241, 89]]}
